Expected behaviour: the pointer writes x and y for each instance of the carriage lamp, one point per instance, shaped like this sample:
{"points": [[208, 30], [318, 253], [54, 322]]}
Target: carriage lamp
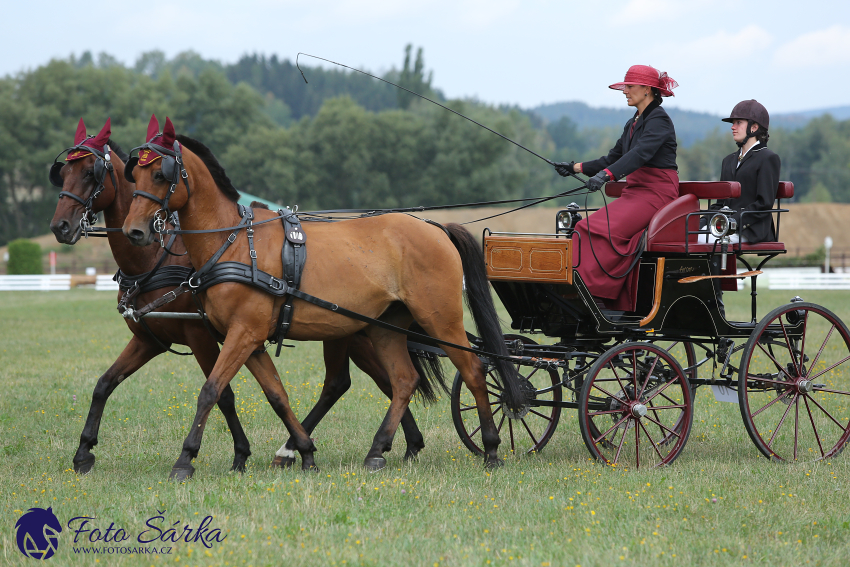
{"points": [[567, 219], [722, 224]]}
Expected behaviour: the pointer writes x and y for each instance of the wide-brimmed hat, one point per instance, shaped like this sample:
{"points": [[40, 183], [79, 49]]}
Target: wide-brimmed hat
{"points": [[750, 110], [649, 77]]}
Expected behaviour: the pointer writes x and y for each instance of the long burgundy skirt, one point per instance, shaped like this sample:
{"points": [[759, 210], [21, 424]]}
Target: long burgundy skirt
{"points": [[647, 190]]}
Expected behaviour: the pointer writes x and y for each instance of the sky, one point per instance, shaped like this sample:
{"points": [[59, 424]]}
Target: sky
{"points": [[790, 55]]}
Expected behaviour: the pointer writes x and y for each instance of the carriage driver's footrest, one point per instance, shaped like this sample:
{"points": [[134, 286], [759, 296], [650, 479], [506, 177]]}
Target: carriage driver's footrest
{"points": [[694, 279]]}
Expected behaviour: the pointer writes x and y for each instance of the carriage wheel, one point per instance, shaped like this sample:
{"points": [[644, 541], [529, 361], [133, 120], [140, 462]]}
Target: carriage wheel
{"points": [[794, 383], [524, 431], [635, 397]]}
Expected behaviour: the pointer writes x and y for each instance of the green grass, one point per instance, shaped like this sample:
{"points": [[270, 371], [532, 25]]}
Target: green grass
{"points": [[552, 508]]}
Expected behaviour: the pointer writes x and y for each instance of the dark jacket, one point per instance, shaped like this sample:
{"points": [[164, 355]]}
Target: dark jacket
{"points": [[652, 144], [758, 175]]}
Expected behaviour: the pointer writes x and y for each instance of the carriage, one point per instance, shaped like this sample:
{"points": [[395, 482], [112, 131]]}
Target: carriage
{"points": [[632, 376]]}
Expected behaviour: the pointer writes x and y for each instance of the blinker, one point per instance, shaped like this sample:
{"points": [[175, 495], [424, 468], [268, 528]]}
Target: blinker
{"points": [[55, 175], [128, 169]]}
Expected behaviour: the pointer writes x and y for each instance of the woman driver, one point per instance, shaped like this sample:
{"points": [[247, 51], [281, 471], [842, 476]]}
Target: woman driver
{"points": [[646, 153]]}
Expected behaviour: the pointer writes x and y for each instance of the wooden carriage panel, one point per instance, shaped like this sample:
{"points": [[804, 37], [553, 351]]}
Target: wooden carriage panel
{"points": [[528, 258]]}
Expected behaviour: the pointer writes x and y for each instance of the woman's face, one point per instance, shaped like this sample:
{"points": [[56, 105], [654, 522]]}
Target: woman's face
{"points": [[635, 94], [739, 130]]}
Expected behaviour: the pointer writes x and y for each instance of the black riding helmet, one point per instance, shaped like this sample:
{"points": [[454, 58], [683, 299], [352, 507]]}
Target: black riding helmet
{"points": [[754, 113]]}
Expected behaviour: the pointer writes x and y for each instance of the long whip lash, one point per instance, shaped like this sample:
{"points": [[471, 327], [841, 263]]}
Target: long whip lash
{"points": [[420, 96]]}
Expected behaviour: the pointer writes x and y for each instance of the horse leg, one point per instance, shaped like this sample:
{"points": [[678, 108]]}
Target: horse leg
{"points": [[337, 382], [205, 350], [363, 354], [135, 355], [472, 372], [234, 353], [391, 350], [261, 366]]}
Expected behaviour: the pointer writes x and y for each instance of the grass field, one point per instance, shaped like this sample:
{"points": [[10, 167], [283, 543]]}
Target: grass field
{"points": [[720, 503]]}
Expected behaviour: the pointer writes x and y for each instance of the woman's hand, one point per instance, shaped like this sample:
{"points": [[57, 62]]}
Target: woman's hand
{"points": [[596, 182], [564, 169]]}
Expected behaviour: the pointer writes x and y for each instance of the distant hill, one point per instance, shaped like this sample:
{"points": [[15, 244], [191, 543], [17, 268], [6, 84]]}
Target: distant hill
{"points": [[690, 126]]}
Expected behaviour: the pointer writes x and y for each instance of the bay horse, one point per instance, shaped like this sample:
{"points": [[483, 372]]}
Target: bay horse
{"points": [[394, 267], [90, 189]]}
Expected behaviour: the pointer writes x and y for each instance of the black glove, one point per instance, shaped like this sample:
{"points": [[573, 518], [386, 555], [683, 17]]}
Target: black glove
{"points": [[564, 169], [596, 182]]}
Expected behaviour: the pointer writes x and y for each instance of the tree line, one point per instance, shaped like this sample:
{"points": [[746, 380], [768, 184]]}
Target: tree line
{"points": [[343, 140]]}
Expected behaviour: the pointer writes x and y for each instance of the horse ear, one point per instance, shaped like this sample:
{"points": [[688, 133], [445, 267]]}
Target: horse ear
{"points": [[128, 169], [168, 133], [103, 137], [153, 128], [80, 136]]}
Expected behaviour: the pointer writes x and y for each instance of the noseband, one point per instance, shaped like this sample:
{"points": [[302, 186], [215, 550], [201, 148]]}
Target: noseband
{"points": [[173, 170], [102, 164]]}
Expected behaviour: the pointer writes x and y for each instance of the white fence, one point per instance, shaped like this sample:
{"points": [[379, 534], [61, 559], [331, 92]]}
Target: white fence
{"points": [[803, 280], [105, 283], [61, 282]]}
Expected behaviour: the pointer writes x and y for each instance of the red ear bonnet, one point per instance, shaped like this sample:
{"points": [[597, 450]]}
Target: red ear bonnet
{"points": [[79, 138], [146, 156], [97, 142]]}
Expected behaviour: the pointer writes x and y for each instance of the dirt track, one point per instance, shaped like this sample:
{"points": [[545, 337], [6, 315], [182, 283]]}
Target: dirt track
{"points": [[802, 230]]}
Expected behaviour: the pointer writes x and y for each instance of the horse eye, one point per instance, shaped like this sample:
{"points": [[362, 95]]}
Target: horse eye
{"points": [[89, 173], [158, 176]]}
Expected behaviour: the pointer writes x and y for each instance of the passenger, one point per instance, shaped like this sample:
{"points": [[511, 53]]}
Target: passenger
{"points": [[646, 152], [756, 168]]}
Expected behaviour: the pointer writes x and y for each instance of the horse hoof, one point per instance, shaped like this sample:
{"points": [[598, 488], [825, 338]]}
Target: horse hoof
{"points": [[411, 455], [283, 462], [84, 466], [374, 464], [239, 467], [310, 468], [493, 463], [181, 474]]}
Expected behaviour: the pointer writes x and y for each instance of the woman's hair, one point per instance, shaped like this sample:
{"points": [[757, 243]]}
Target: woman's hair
{"points": [[762, 135], [656, 94]]}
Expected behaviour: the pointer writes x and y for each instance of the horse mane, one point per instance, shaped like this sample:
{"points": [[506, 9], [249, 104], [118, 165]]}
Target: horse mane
{"points": [[122, 155], [216, 170]]}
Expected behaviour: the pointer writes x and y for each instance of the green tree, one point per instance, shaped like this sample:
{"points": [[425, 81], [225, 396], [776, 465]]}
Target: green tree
{"points": [[413, 78], [24, 257]]}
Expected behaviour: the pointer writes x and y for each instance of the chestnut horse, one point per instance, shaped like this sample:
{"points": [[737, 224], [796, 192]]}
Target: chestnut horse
{"points": [[393, 267], [79, 178]]}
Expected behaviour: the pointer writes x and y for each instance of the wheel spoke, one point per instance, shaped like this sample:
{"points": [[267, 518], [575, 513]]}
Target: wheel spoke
{"points": [[664, 387], [822, 372], [820, 351], [659, 424], [467, 408], [814, 401], [796, 423], [655, 413], [797, 366], [651, 442], [613, 427], [634, 370], [622, 441], [803, 340], [547, 418], [776, 399], [494, 386], [831, 391], [501, 422], [637, 445], [530, 434], [769, 381], [609, 394], [605, 412], [511, 430], [670, 407], [778, 366], [648, 375], [471, 435], [781, 421], [494, 394], [617, 376], [815, 429]]}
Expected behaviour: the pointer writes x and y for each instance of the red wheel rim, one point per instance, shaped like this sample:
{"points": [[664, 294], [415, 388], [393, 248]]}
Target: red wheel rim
{"points": [[794, 384]]}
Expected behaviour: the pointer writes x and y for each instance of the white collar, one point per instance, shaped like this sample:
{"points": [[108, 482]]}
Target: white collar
{"points": [[742, 153]]}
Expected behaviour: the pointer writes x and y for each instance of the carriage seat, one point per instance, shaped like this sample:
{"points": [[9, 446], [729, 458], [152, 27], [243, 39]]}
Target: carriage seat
{"points": [[666, 233]]}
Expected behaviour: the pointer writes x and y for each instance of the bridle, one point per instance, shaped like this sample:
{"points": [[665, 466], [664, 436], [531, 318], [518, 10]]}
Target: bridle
{"points": [[102, 165], [173, 170]]}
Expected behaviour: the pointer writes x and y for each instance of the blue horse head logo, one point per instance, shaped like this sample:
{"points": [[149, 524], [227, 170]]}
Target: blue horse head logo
{"points": [[37, 533]]}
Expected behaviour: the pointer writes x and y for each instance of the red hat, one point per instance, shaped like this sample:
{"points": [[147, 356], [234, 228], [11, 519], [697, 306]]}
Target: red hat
{"points": [[648, 77], [96, 142], [164, 139]]}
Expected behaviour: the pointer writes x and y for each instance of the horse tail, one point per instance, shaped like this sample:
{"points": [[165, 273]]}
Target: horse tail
{"points": [[430, 370], [483, 311]]}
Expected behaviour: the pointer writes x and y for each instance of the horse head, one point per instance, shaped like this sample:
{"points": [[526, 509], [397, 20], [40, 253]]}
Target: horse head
{"points": [[87, 178], [162, 183]]}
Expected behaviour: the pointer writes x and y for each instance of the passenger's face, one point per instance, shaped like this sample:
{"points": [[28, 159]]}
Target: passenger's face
{"points": [[739, 130], [635, 94]]}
